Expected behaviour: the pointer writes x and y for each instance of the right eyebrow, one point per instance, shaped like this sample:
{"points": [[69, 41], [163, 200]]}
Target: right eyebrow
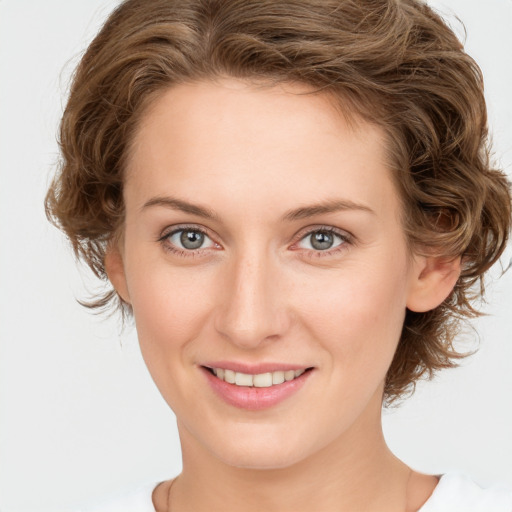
{"points": [[178, 204]]}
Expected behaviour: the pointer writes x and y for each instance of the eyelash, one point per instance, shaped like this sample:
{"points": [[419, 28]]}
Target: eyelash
{"points": [[186, 253], [346, 239]]}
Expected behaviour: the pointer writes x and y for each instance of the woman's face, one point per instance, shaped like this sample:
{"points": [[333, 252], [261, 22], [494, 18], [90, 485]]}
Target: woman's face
{"points": [[263, 236]]}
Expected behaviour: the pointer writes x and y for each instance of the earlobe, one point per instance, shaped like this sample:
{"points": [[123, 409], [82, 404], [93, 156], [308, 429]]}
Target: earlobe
{"points": [[114, 266], [433, 280]]}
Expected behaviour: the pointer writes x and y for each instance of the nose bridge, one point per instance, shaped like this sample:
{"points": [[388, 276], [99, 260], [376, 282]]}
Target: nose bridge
{"points": [[253, 308]]}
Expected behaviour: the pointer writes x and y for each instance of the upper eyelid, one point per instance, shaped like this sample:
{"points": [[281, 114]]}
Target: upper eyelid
{"points": [[316, 228], [171, 230]]}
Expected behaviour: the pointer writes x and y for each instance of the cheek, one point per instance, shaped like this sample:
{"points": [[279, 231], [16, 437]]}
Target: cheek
{"points": [[169, 305], [358, 313], [170, 309]]}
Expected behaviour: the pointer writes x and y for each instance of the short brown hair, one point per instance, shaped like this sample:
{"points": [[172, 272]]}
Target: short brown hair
{"points": [[395, 63]]}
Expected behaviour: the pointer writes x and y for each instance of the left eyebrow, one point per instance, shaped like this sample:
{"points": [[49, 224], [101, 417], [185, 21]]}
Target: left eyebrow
{"points": [[330, 206]]}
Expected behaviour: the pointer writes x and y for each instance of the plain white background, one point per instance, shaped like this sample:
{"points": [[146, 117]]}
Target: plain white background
{"points": [[80, 416]]}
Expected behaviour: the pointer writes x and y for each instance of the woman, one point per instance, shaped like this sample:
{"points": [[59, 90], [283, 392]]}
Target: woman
{"points": [[294, 200]]}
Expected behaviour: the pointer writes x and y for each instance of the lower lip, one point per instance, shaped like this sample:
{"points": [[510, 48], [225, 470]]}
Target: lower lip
{"points": [[252, 398]]}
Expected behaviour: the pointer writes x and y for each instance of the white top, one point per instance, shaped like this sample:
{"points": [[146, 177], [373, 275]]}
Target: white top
{"points": [[454, 493]]}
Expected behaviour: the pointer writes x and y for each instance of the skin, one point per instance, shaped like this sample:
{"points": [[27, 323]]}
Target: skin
{"points": [[258, 291]]}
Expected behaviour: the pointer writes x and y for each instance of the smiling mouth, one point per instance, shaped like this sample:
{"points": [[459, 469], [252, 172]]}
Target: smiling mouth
{"points": [[260, 380]]}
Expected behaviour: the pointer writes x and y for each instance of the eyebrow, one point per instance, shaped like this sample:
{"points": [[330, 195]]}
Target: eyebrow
{"points": [[184, 206], [329, 206], [303, 212]]}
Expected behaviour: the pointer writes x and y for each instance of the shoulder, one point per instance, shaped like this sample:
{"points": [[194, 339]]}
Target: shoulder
{"points": [[457, 492], [136, 500]]}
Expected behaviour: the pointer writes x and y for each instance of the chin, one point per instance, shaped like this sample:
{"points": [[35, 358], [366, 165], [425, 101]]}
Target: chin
{"points": [[259, 459], [262, 451]]}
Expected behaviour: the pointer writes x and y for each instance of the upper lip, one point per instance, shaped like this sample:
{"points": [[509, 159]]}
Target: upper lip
{"points": [[254, 369]]}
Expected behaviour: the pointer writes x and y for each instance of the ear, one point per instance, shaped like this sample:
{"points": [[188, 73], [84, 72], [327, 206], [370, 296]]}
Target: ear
{"points": [[114, 266], [434, 278]]}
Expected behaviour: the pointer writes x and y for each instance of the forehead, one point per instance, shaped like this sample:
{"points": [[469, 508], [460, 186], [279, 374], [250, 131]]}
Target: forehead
{"points": [[231, 139]]}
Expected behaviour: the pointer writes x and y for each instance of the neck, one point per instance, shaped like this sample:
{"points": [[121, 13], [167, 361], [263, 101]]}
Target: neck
{"points": [[355, 472]]}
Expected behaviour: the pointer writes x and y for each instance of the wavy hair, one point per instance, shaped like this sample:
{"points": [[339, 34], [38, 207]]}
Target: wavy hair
{"points": [[394, 63]]}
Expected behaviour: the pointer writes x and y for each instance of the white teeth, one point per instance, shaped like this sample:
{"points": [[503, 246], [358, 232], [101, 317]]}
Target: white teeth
{"points": [[229, 376], [277, 377], [260, 380], [289, 375], [243, 379]]}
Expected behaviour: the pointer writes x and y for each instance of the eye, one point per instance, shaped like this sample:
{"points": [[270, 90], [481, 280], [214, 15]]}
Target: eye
{"points": [[187, 240], [323, 240]]}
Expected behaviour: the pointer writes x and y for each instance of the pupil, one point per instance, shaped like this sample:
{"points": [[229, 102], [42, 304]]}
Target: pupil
{"points": [[321, 241], [191, 239]]}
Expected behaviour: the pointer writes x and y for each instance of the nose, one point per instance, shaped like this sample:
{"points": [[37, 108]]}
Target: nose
{"points": [[253, 305]]}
